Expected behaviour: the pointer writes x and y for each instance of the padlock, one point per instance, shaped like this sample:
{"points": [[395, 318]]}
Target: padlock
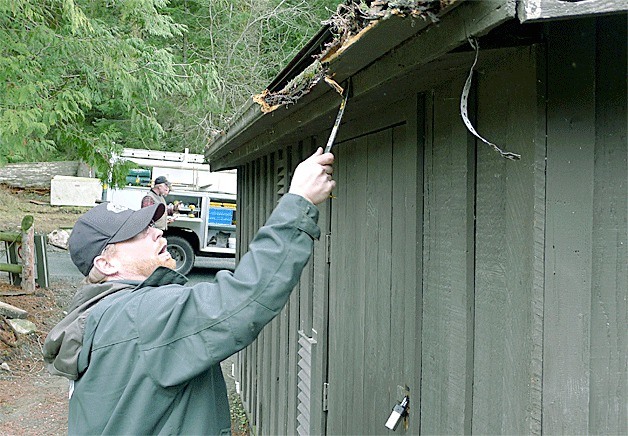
{"points": [[397, 414]]}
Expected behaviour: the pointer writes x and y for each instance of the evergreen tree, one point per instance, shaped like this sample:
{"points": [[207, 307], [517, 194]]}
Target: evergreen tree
{"points": [[235, 48], [85, 78]]}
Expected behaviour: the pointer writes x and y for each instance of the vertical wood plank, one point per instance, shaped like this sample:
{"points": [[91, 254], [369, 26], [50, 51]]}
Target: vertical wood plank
{"points": [[284, 316], [402, 290], [570, 139], [258, 344], [377, 293], [406, 292], [535, 417], [28, 259], [355, 279], [505, 235], [337, 293], [609, 336], [271, 201], [446, 244], [348, 323], [294, 321], [320, 315]]}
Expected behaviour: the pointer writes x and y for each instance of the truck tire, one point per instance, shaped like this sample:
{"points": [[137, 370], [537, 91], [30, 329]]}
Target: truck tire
{"points": [[182, 252]]}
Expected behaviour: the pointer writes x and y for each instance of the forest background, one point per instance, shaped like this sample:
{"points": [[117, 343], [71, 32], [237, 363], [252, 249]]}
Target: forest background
{"points": [[82, 79]]}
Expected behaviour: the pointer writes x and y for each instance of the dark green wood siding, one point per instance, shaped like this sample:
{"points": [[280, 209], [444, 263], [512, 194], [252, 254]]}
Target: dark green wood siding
{"points": [[492, 291], [585, 351], [571, 139], [373, 291], [481, 231], [448, 249], [509, 225], [609, 311], [349, 281]]}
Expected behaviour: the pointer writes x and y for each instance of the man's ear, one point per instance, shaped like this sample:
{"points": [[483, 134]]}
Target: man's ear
{"points": [[104, 266]]}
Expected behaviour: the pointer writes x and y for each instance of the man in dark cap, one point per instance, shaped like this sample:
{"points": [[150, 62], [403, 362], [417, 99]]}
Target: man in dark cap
{"points": [[157, 194], [141, 348]]}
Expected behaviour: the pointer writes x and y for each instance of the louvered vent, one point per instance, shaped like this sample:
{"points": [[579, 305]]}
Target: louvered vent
{"points": [[304, 384]]}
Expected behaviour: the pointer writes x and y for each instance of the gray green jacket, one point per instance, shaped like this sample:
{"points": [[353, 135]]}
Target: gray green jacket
{"points": [[149, 359]]}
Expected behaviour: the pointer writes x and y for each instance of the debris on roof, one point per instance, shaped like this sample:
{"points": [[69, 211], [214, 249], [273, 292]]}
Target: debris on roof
{"points": [[352, 18], [293, 91]]}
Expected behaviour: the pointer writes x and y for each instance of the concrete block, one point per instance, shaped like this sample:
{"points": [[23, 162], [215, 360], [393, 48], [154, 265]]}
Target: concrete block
{"points": [[74, 191]]}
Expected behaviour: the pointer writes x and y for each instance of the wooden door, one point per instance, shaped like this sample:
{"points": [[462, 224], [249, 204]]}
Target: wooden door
{"points": [[373, 287]]}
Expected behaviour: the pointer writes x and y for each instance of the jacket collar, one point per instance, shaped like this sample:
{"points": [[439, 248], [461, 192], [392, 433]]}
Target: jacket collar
{"points": [[162, 276]]}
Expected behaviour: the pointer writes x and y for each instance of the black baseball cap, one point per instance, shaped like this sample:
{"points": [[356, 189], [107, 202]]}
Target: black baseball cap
{"points": [[162, 179], [105, 224]]}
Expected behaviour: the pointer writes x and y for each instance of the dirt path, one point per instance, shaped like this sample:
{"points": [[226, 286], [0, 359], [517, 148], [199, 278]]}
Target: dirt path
{"points": [[32, 402]]}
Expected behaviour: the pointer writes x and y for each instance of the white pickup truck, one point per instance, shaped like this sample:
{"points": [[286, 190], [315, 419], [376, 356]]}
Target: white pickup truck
{"points": [[204, 225]]}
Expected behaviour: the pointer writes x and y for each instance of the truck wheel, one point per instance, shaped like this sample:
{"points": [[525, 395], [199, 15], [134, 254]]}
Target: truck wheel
{"points": [[182, 252]]}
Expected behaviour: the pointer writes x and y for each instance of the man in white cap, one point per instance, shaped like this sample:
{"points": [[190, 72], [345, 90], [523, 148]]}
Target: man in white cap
{"points": [[143, 349]]}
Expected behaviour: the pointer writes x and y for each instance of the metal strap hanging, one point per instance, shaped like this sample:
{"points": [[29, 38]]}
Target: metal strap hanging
{"points": [[464, 105]]}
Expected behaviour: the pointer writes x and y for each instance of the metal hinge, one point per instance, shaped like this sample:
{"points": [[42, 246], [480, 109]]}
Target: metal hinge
{"points": [[325, 394], [328, 248]]}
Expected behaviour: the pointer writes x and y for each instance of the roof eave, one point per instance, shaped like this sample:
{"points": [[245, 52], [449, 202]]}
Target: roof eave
{"points": [[253, 133]]}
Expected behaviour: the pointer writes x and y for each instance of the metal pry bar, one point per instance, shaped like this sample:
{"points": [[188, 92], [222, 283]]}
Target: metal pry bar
{"points": [[334, 130]]}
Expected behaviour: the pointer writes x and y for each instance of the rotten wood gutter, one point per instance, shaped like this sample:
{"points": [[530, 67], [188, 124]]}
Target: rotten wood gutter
{"points": [[402, 36]]}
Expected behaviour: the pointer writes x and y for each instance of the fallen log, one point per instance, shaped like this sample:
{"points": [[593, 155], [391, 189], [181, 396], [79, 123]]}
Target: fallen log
{"points": [[36, 174]]}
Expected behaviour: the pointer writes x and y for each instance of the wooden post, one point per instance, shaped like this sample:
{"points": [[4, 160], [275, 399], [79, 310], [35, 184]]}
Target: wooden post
{"points": [[28, 255], [41, 261], [12, 241]]}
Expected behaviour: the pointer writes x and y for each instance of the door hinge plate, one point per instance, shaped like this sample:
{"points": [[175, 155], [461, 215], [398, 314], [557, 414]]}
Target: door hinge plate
{"points": [[328, 248], [325, 396]]}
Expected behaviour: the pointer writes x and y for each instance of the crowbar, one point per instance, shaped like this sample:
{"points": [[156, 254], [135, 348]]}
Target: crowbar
{"points": [[334, 130]]}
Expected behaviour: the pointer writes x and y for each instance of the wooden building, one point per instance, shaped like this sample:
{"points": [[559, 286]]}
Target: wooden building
{"points": [[492, 292]]}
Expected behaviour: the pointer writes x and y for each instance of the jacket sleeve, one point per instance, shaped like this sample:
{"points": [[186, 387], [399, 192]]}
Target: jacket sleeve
{"points": [[185, 330]]}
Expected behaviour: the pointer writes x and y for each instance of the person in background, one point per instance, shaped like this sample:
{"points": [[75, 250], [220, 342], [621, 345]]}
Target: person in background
{"points": [[157, 195], [143, 349]]}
